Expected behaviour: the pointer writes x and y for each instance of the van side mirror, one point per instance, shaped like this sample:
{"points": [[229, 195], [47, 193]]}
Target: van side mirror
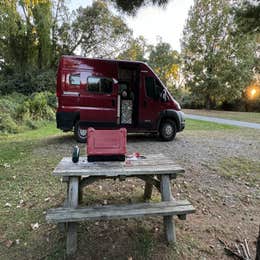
{"points": [[163, 96]]}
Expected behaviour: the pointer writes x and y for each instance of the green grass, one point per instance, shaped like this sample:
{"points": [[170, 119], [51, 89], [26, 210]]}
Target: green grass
{"points": [[196, 125], [252, 117], [26, 163], [143, 243], [27, 181], [239, 167], [45, 130]]}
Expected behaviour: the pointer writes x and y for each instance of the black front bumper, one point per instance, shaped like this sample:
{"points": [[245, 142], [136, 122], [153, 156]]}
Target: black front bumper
{"points": [[181, 120]]}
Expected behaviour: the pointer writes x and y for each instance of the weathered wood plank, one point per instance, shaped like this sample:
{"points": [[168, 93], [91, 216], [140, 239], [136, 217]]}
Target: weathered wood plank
{"points": [[71, 245], [120, 211], [169, 225], [159, 165]]}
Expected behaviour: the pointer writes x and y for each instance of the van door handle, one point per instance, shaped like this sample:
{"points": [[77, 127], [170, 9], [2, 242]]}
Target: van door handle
{"points": [[113, 103], [145, 103]]}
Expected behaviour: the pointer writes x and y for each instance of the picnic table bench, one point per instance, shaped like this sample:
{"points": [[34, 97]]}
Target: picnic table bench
{"points": [[156, 170]]}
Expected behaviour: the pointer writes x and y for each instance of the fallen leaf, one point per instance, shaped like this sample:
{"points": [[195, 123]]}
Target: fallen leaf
{"points": [[46, 199], [35, 226], [7, 165], [8, 205], [8, 243]]}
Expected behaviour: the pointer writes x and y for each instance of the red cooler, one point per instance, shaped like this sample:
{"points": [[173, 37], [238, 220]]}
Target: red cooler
{"points": [[106, 145]]}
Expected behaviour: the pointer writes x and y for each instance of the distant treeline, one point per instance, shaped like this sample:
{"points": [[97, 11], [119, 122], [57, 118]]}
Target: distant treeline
{"points": [[216, 68]]}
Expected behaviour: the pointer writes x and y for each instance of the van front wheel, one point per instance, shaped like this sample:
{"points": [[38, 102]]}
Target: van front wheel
{"points": [[167, 130], [80, 134]]}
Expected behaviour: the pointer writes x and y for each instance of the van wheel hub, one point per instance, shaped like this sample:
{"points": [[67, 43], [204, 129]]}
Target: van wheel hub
{"points": [[82, 132], [168, 130]]}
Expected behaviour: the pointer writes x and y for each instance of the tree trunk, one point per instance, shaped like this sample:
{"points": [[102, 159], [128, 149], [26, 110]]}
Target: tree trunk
{"points": [[210, 102]]}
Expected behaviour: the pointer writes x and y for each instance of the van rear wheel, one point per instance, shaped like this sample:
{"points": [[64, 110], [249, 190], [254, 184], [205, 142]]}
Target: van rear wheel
{"points": [[80, 134], [168, 130]]}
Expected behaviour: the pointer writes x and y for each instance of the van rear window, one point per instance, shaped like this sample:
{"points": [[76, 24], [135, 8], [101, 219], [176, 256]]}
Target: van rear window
{"points": [[74, 79], [100, 85]]}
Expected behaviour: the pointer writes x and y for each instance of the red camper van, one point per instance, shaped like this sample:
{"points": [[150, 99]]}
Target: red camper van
{"points": [[107, 94]]}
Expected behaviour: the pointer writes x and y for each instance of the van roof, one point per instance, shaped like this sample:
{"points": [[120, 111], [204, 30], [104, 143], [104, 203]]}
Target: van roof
{"points": [[100, 59]]}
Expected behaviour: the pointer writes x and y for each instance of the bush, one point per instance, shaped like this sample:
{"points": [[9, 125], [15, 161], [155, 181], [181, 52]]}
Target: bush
{"points": [[37, 107], [8, 125], [18, 111], [28, 82]]}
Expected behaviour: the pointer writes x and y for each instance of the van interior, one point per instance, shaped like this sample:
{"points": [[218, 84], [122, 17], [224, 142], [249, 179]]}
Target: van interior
{"points": [[129, 87]]}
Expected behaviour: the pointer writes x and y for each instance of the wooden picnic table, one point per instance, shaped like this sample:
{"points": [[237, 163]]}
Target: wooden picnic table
{"points": [[156, 170]]}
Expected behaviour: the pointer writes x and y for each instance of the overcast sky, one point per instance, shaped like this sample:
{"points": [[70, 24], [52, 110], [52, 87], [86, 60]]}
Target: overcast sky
{"points": [[153, 22]]}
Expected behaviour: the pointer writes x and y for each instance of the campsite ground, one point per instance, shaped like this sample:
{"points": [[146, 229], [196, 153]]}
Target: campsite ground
{"points": [[222, 181]]}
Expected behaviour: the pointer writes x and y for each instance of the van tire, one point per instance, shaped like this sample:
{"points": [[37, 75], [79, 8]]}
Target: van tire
{"points": [[167, 130], [80, 134]]}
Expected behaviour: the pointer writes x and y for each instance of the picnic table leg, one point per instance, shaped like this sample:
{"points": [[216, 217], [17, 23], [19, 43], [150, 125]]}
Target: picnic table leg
{"points": [[62, 226], [169, 225], [80, 192], [148, 189], [72, 227]]}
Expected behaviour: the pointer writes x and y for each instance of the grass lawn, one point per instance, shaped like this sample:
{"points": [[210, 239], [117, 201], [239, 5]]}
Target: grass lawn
{"points": [[240, 116], [28, 189]]}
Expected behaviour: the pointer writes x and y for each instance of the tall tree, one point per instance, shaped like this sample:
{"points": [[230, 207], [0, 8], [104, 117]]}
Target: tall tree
{"points": [[132, 6], [218, 62], [94, 31], [137, 50], [166, 63], [25, 33], [247, 16]]}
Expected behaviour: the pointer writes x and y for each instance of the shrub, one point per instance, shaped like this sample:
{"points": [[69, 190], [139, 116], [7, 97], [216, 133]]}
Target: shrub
{"points": [[8, 125], [37, 107], [17, 111], [27, 82]]}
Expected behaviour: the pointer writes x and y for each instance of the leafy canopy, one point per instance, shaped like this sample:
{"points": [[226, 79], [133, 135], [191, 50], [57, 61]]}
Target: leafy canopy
{"points": [[218, 62]]}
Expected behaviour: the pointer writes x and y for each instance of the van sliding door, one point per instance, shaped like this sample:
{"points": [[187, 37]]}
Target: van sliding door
{"points": [[98, 102]]}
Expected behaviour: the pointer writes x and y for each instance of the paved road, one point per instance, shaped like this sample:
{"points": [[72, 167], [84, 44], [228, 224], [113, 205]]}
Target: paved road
{"points": [[224, 121]]}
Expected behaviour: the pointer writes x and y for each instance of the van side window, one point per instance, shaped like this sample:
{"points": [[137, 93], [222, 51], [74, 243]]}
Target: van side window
{"points": [[151, 88], [74, 79], [100, 85]]}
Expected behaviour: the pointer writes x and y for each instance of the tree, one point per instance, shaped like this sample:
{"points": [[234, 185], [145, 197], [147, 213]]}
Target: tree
{"points": [[25, 33], [247, 16], [137, 50], [94, 31], [34, 34], [132, 6], [218, 62], [166, 63]]}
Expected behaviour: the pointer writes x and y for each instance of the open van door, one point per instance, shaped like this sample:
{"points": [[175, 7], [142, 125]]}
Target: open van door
{"points": [[150, 102]]}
